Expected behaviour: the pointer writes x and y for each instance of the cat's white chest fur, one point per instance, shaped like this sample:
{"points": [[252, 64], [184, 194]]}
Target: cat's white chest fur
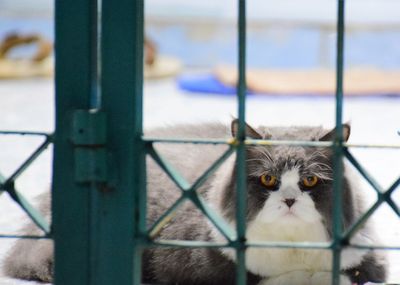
{"points": [[275, 261], [298, 223]]}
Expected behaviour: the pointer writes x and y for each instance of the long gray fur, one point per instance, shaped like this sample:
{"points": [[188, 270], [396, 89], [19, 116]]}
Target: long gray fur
{"points": [[32, 259]]}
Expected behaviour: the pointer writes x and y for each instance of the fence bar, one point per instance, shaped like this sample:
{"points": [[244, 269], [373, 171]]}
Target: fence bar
{"points": [[25, 133], [393, 205], [30, 160], [121, 212], [165, 218], [375, 185], [213, 217], [8, 186], [189, 192], [266, 142], [34, 214], [200, 181], [381, 198], [195, 243], [75, 24], [338, 149], [24, 236], [356, 226], [172, 173], [241, 191]]}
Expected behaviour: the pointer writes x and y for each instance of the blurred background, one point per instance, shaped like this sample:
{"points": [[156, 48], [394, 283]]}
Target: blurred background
{"points": [[191, 54], [285, 34]]}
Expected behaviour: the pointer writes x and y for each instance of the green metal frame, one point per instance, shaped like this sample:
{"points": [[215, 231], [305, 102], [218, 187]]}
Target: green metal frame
{"points": [[99, 189]]}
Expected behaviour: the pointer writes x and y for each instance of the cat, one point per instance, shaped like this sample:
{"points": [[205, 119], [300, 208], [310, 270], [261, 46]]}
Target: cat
{"points": [[289, 198]]}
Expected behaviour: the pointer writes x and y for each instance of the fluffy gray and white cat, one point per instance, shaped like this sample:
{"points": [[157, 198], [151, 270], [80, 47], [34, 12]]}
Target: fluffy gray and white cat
{"points": [[289, 198]]}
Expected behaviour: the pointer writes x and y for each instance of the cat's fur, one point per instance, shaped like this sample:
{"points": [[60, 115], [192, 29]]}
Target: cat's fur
{"points": [[310, 218]]}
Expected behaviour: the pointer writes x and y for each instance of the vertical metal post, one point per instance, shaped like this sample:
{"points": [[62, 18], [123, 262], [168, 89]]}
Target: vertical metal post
{"points": [[338, 148], [75, 72], [121, 214], [241, 194]]}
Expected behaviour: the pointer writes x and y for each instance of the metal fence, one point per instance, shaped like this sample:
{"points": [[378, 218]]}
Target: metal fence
{"points": [[99, 188]]}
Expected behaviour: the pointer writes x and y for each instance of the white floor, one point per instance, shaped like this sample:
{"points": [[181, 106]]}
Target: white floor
{"points": [[29, 105]]}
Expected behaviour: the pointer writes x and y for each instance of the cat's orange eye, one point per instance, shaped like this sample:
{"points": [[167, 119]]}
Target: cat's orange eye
{"points": [[269, 181], [310, 181]]}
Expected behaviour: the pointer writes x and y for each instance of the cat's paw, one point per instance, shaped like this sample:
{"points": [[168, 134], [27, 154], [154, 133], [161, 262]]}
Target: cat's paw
{"points": [[324, 278], [290, 278]]}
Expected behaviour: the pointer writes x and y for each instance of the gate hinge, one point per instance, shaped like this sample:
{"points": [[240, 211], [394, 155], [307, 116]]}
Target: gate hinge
{"points": [[89, 137]]}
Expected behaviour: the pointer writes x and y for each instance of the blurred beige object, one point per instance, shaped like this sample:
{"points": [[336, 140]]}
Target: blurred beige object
{"points": [[39, 65], [316, 81], [158, 66], [163, 66]]}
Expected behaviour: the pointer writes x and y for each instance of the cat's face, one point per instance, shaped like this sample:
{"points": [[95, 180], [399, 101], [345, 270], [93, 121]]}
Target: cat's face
{"points": [[287, 184], [294, 183]]}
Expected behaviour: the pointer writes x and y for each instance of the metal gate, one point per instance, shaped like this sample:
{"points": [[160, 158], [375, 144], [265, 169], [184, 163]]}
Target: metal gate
{"points": [[99, 188]]}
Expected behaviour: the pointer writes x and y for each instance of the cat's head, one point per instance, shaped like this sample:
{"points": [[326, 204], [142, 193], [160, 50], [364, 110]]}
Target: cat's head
{"points": [[286, 183]]}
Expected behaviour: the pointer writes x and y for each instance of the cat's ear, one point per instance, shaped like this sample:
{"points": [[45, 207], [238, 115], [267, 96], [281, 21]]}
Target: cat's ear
{"points": [[330, 136], [250, 132]]}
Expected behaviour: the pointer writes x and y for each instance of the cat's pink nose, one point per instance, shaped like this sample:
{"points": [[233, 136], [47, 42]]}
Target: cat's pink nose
{"points": [[289, 202]]}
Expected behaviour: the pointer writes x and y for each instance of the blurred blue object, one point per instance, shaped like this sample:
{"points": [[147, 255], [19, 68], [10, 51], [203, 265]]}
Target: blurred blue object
{"points": [[208, 83], [205, 83]]}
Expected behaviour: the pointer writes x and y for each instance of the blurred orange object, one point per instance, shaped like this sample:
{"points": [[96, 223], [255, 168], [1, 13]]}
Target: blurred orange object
{"points": [[40, 64]]}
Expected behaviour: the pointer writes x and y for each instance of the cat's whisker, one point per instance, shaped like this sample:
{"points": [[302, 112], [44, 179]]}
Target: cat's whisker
{"points": [[320, 166], [255, 159], [318, 154]]}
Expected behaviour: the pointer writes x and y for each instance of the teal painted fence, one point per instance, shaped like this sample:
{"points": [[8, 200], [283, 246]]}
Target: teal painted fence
{"points": [[99, 189]]}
